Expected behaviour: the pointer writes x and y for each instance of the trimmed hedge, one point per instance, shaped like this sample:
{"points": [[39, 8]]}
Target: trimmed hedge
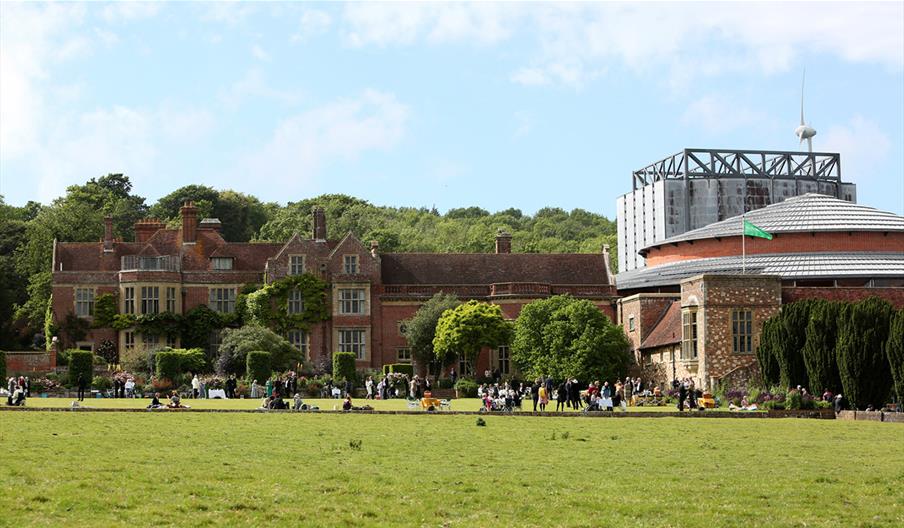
{"points": [[466, 388], [399, 368], [81, 363], [169, 364], [344, 366], [193, 360], [258, 365]]}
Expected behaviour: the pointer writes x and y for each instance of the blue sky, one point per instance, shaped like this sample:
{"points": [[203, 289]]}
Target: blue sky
{"points": [[496, 105]]}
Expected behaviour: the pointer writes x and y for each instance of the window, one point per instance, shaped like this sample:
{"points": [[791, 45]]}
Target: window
{"points": [[84, 302], [296, 302], [222, 300], [128, 341], [631, 323], [150, 342], [171, 341], [299, 339], [221, 263], [464, 367], [171, 300], [503, 360], [128, 302], [351, 301], [351, 264], [403, 355], [742, 331], [150, 299], [352, 341], [296, 264], [689, 334]]}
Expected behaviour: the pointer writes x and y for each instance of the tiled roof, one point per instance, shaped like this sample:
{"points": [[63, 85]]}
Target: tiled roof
{"points": [[489, 268], [667, 331], [807, 212], [786, 265]]}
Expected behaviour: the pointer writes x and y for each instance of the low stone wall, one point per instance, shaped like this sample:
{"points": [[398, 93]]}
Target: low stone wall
{"points": [[29, 361], [871, 416]]}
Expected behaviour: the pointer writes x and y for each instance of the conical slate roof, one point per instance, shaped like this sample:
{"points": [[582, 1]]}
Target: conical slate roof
{"points": [[804, 213]]}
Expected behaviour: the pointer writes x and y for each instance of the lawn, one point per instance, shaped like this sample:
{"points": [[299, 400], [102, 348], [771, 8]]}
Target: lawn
{"points": [[162, 469]]}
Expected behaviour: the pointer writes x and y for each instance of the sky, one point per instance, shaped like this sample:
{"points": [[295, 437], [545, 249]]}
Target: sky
{"points": [[438, 104]]}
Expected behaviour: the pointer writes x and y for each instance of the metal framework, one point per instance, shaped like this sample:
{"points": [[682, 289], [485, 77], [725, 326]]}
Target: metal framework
{"points": [[722, 163]]}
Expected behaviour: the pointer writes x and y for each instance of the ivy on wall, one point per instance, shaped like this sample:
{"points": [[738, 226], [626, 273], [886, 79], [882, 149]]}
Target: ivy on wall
{"points": [[268, 306], [105, 309]]}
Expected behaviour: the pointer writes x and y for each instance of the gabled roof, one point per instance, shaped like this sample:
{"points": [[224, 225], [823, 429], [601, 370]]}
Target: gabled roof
{"points": [[490, 268], [296, 240], [804, 213], [667, 331]]}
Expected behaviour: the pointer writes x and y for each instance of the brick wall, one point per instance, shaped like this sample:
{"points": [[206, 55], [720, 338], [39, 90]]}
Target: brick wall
{"points": [[647, 309], [892, 295], [781, 243], [29, 361]]}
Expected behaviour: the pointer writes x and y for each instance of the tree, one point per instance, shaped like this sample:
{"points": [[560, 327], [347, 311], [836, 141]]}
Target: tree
{"points": [[421, 329], [819, 348], [765, 352], [237, 343], [894, 351], [790, 343], [565, 337], [462, 331], [241, 215], [860, 352]]}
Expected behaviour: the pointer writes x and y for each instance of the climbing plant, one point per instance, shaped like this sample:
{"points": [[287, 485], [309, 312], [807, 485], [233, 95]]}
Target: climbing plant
{"points": [[105, 309], [268, 306]]}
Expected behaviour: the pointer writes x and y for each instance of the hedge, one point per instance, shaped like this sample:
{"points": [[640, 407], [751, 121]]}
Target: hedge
{"points": [[399, 368], [81, 363], [169, 364], [466, 388], [2, 365], [193, 359], [258, 365], [344, 366]]}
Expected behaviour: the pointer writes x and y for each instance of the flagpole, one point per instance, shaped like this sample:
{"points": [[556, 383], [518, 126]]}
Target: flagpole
{"points": [[743, 249]]}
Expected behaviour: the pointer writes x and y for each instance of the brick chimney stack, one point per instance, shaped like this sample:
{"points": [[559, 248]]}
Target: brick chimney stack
{"points": [[503, 242], [108, 234], [606, 261], [319, 223], [374, 248], [189, 222], [145, 229]]}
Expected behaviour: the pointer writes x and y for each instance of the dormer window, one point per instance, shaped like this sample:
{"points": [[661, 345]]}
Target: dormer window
{"points": [[221, 263], [351, 264]]}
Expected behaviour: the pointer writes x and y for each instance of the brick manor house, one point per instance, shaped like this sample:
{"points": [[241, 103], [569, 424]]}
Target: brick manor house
{"points": [[372, 293]]}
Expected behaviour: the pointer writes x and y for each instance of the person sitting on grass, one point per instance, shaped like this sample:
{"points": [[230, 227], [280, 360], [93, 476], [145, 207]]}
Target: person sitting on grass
{"points": [[277, 403], [176, 402], [347, 404], [299, 405], [17, 398], [594, 403], [155, 402]]}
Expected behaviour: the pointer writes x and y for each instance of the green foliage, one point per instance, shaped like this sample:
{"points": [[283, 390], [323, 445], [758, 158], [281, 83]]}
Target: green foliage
{"points": [[50, 327], [565, 337], [102, 383], [38, 291], [105, 310], [75, 328], [2, 366], [198, 324], [193, 360], [122, 322], [242, 215], [399, 368], [466, 388], [819, 348], [169, 364], [81, 365], [465, 329], [162, 324], [894, 351], [107, 350], [258, 365], [420, 330], [765, 351], [238, 342], [268, 305], [344, 366], [860, 352], [789, 346]]}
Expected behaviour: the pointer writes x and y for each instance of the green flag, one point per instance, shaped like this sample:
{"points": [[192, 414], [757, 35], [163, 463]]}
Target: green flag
{"points": [[754, 231]]}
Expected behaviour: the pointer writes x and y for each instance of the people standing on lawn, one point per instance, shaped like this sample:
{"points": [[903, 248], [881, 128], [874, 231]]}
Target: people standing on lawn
{"points": [[369, 388], [130, 388], [544, 397], [195, 387], [535, 393], [269, 386], [255, 389], [562, 396], [453, 376], [231, 385], [82, 384], [682, 395], [11, 385]]}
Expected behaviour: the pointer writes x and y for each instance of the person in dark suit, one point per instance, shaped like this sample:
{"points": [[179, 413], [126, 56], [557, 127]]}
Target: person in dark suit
{"points": [[535, 393], [549, 386], [82, 384], [682, 395], [574, 394]]}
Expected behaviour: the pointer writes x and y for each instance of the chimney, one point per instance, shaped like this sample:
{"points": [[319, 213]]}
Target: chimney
{"points": [[319, 223], [374, 248], [211, 224], [145, 229], [108, 234], [189, 222], [607, 263], [503, 242]]}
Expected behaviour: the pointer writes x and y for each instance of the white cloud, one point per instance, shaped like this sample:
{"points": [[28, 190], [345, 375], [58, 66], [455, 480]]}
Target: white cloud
{"points": [[530, 77], [718, 114], [183, 124], [313, 22], [260, 54], [126, 11], [341, 130], [230, 14], [864, 147], [254, 85]]}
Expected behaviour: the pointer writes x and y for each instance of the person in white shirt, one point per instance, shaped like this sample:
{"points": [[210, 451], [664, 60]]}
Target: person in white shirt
{"points": [[130, 388], [195, 387]]}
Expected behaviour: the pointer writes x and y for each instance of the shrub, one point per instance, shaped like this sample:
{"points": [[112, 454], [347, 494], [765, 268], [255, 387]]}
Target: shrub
{"points": [[258, 365], [3, 365], [894, 350], [102, 383], [193, 359], [819, 348], [239, 342], [169, 364], [107, 350], [860, 352], [81, 363], [344, 366], [399, 368], [466, 388], [444, 383]]}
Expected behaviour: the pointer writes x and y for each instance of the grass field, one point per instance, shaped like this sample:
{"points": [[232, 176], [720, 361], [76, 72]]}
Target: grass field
{"points": [[198, 469]]}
